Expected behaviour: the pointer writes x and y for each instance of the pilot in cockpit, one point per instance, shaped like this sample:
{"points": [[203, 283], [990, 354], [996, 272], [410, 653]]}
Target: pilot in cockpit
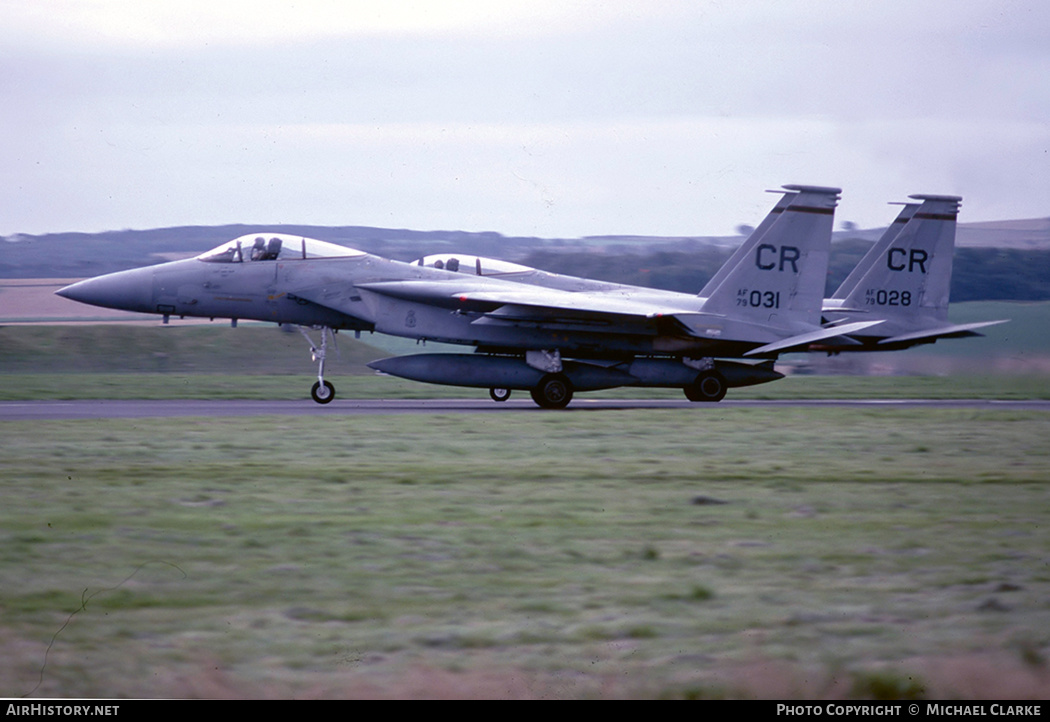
{"points": [[265, 251]]}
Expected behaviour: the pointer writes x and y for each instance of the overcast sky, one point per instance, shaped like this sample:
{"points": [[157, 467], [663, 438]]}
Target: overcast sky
{"points": [[529, 117]]}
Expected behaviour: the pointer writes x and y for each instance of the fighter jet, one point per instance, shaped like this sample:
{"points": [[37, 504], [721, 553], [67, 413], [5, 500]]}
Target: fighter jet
{"points": [[904, 279], [550, 341]]}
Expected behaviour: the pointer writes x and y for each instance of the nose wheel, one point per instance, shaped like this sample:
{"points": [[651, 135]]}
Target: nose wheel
{"points": [[322, 392]]}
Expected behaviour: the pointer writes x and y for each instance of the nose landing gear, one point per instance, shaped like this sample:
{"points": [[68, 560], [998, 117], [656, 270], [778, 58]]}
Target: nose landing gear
{"points": [[323, 391]]}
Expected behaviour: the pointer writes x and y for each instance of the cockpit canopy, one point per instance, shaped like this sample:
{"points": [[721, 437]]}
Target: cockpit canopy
{"points": [[273, 247], [474, 265]]}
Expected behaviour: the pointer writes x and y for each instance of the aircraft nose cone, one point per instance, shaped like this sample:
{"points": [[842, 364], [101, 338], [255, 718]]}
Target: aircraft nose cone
{"points": [[125, 290]]}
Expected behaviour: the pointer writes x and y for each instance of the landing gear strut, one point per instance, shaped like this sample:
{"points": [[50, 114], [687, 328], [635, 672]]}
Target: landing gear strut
{"points": [[323, 391]]}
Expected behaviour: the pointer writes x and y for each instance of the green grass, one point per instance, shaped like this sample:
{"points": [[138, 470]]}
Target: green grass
{"points": [[190, 349], [736, 552], [857, 553], [237, 385]]}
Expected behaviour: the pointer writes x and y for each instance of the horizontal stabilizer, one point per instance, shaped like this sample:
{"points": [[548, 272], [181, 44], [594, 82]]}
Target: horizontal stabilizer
{"points": [[932, 334], [805, 339], [832, 308]]}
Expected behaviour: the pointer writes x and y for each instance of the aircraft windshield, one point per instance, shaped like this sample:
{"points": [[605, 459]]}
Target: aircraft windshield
{"points": [[273, 247], [475, 265]]}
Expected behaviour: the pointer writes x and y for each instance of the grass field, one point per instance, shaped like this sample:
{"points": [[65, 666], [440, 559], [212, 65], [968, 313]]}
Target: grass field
{"points": [[722, 553], [702, 552]]}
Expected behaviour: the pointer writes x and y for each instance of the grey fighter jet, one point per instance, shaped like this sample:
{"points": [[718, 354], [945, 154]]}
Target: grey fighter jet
{"points": [[550, 341], [904, 279]]}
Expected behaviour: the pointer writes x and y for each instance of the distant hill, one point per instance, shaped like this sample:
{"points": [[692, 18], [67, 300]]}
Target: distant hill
{"points": [[1030, 234], [1024, 234]]}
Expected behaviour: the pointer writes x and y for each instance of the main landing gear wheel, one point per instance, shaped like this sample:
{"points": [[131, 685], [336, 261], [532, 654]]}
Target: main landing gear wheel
{"points": [[554, 391], [499, 394], [322, 393], [709, 386]]}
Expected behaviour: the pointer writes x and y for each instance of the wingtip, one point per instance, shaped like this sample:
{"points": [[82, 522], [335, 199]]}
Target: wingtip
{"points": [[801, 188], [930, 197]]}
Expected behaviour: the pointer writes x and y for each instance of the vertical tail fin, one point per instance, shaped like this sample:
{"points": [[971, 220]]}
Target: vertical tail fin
{"points": [[876, 252], [748, 246], [910, 275], [778, 277]]}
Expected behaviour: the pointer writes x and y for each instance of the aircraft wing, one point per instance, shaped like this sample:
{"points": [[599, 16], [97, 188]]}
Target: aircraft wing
{"points": [[483, 297], [950, 331]]}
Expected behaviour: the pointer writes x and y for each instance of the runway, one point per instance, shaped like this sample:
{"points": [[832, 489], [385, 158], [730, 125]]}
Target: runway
{"points": [[110, 409]]}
